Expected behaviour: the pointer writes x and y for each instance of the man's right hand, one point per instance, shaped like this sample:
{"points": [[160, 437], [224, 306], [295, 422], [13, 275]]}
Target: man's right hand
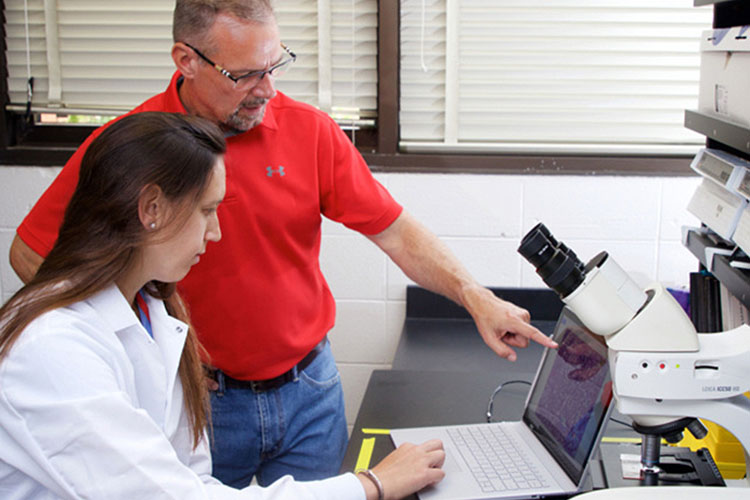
{"points": [[24, 260]]}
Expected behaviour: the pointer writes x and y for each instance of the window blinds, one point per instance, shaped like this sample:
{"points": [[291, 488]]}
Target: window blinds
{"points": [[94, 56], [577, 76]]}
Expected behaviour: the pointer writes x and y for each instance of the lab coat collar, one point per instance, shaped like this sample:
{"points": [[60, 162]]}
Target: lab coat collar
{"points": [[120, 315]]}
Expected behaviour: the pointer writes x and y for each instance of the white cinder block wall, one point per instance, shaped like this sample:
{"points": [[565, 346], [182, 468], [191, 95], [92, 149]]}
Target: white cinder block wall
{"points": [[19, 189], [482, 219]]}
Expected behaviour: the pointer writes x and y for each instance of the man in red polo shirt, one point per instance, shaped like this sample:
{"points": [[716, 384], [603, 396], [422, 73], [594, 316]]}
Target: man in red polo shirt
{"points": [[258, 299]]}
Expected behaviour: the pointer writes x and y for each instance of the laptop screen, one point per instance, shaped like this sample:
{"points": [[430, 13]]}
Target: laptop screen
{"points": [[571, 395]]}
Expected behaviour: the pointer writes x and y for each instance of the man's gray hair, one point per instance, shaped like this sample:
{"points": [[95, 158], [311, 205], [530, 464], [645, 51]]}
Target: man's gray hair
{"points": [[194, 18]]}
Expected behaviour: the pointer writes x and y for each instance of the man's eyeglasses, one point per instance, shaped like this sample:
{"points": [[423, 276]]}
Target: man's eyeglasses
{"points": [[252, 78]]}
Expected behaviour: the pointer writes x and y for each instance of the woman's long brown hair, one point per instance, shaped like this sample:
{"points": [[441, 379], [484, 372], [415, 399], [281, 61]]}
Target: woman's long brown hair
{"points": [[101, 231]]}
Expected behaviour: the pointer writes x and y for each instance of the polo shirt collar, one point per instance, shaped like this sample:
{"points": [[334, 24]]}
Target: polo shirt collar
{"points": [[172, 102], [269, 118]]}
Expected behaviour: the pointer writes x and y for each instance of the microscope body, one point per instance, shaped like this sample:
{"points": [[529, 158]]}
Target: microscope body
{"points": [[656, 385], [662, 369]]}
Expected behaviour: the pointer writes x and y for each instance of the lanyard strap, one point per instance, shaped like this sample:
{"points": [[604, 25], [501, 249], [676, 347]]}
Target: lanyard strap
{"points": [[143, 313]]}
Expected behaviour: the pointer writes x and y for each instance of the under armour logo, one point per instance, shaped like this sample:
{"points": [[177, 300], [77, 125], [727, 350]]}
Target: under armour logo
{"points": [[270, 171]]}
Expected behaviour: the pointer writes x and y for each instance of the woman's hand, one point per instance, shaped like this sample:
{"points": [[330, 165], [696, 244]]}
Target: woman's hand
{"points": [[407, 470]]}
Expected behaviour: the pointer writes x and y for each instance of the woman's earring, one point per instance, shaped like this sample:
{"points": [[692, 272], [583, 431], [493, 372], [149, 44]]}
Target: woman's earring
{"points": [[152, 225]]}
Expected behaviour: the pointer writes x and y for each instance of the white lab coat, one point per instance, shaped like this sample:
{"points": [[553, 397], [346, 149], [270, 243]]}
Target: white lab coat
{"points": [[91, 407]]}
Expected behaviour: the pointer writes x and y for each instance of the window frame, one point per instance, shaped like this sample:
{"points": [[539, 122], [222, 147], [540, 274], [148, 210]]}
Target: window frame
{"points": [[53, 144]]}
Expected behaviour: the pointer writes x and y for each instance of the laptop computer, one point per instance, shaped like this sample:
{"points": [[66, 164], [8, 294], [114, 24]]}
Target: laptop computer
{"points": [[547, 453]]}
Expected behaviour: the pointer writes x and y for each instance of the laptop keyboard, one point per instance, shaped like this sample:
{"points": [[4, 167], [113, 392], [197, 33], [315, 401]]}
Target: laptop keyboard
{"points": [[495, 459]]}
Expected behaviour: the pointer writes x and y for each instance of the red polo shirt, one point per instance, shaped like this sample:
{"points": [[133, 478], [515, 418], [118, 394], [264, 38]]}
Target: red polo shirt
{"points": [[257, 298]]}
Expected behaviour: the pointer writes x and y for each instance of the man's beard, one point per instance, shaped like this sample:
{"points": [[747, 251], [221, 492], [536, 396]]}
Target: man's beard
{"points": [[236, 122]]}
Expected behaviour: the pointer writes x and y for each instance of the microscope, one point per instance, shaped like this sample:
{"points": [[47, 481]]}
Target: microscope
{"points": [[665, 375]]}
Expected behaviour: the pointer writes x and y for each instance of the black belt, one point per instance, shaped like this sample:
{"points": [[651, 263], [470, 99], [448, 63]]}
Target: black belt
{"points": [[271, 383]]}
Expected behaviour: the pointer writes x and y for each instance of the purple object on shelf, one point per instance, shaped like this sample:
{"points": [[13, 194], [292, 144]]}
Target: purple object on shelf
{"points": [[682, 297]]}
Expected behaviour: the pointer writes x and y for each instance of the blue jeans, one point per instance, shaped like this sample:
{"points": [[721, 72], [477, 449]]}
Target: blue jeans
{"points": [[298, 428]]}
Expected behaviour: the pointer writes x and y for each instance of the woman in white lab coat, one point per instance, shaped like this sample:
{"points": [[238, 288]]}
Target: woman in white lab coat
{"points": [[102, 393]]}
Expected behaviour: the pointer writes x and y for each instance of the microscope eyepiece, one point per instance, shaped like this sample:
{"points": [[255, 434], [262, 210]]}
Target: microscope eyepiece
{"points": [[555, 263], [536, 246]]}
